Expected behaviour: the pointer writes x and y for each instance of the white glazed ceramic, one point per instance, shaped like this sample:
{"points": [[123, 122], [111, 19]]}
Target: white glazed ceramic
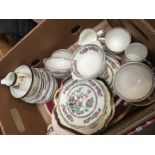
{"points": [[45, 89], [117, 39], [109, 76], [134, 82], [35, 85], [88, 61], [97, 43], [61, 75], [82, 105], [9, 79], [57, 128], [136, 52], [75, 77], [59, 62], [112, 66], [23, 81], [87, 36], [100, 33]]}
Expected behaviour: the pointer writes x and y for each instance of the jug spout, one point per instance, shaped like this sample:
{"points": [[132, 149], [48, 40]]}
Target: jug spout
{"points": [[9, 79]]}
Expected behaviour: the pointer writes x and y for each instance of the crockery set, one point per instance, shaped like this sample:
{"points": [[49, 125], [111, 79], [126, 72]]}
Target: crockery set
{"points": [[105, 73]]}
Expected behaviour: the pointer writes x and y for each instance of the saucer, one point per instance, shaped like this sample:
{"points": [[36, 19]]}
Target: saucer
{"points": [[83, 105]]}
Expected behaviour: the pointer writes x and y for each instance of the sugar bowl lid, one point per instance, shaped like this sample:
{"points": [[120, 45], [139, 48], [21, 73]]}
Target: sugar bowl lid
{"points": [[81, 103], [20, 81]]}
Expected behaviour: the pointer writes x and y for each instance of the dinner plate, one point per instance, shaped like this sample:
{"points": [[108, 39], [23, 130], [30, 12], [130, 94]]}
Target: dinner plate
{"points": [[83, 105]]}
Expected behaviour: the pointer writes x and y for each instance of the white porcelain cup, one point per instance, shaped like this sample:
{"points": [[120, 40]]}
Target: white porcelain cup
{"points": [[117, 39], [136, 52]]}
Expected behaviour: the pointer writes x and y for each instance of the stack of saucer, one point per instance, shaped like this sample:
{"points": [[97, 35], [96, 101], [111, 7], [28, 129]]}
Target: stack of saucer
{"points": [[84, 106], [43, 89]]}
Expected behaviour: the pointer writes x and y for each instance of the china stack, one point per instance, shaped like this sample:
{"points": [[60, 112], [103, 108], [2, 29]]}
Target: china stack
{"points": [[83, 106], [32, 85]]}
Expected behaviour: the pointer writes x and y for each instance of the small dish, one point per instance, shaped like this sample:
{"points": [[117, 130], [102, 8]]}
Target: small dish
{"points": [[81, 104]]}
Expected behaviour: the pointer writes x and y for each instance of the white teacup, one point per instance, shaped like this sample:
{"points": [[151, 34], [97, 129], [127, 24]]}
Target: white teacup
{"points": [[117, 39], [136, 52]]}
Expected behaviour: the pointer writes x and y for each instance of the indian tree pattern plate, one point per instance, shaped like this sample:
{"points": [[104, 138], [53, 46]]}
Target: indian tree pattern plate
{"points": [[81, 104]]}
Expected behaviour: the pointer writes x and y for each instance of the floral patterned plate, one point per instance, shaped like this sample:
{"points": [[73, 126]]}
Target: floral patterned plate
{"points": [[82, 104], [102, 123]]}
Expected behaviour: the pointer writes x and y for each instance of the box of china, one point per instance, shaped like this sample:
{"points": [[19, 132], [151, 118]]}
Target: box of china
{"points": [[51, 35]]}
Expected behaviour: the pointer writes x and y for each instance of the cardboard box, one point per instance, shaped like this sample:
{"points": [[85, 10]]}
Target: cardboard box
{"points": [[18, 117], [4, 47]]}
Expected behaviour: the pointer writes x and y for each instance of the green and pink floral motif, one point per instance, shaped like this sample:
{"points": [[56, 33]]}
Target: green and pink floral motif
{"points": [[95, 115], [99, 90], [65, 112], [81, 102], [90, 47]]}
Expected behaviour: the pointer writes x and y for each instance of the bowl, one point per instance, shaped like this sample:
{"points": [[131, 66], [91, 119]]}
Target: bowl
{"points": [[59, 62], [87, 36], [134, 82], [88, 61]]}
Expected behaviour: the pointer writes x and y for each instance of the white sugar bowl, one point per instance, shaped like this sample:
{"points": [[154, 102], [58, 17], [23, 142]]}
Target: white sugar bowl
{"points": [[88, 62], [59, 63]]}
